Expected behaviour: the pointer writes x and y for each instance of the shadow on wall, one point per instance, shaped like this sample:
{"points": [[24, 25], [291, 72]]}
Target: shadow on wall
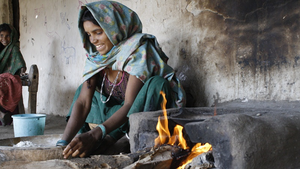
{"points": [[194, 88]]}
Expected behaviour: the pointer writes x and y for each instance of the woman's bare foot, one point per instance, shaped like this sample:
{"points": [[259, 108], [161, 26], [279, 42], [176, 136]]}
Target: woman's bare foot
{"points": [[2, 118]]}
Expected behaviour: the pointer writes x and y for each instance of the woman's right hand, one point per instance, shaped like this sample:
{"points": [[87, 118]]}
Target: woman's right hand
{"points": [[83, 144], [22, 72]]}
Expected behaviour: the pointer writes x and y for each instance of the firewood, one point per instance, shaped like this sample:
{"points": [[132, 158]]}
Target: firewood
{"points": [[202, 161], [157, 158]]}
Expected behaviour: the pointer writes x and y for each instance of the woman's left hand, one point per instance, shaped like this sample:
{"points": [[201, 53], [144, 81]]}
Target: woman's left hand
{"points": [[22, 72], [81, 146]]}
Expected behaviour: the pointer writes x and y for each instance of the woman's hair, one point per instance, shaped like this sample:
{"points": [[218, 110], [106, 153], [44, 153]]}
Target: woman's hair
{"points": [[87, 16], [5, 27]]}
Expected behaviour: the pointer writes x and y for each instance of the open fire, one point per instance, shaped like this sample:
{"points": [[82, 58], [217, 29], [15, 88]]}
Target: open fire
{"points": [[177, 138]]}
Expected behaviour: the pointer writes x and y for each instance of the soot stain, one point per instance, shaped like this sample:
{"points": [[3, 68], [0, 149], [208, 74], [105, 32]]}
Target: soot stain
{"points": [[271, 52], [296, 59]]}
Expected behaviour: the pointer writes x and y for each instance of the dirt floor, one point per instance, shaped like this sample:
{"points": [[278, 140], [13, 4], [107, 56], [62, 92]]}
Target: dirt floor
{"points": [[54, 125], [51, 157]]}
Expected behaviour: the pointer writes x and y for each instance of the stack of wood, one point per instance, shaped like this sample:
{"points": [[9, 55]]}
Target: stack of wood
{"points": [[167, 157]]}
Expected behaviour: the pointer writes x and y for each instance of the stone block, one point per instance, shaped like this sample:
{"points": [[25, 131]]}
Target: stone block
{"points": [[251, 140], [240, 137]]}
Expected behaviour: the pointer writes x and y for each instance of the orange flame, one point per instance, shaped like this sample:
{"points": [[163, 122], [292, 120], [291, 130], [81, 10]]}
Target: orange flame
{"points": [[177, 137], [196, 150], [162, 125], [215, 110]]}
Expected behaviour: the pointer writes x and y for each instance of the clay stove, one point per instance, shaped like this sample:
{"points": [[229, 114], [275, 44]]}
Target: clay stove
{"points": [[244, 138]]}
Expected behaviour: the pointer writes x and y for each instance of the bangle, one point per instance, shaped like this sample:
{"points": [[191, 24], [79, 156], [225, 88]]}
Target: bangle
{"points": [[102, 127], [62, 143]]}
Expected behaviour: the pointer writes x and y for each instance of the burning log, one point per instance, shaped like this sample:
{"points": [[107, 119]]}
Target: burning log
{"points": [[168, 156], [156, 158], [202, 161]]}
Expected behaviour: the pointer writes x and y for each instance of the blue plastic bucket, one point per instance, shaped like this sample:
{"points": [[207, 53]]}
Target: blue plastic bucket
{"points": [[28, 124]]}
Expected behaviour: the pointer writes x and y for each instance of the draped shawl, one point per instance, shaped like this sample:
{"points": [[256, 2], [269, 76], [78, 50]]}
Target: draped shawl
{"points": [[11, 57]]}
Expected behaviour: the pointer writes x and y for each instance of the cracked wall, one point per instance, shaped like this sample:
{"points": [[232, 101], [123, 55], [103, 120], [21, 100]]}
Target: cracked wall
{"points": [[221, 50]]}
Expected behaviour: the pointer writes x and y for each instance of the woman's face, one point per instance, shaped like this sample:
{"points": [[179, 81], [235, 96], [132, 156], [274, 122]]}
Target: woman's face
{"points": [[97, 37], [5, 38]]}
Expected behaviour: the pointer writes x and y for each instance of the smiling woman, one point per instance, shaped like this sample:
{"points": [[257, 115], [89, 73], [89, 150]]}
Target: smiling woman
{"points": [[5, 37], [12, 60], [125, 71], [97, 37]]}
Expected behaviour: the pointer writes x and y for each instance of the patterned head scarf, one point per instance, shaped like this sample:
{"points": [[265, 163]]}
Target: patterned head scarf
{"points": [[136, 53], [11, 57]]}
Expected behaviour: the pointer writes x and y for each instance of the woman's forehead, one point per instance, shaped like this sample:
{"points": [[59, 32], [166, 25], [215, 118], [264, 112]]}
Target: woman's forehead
{"points": [[4, 32]]}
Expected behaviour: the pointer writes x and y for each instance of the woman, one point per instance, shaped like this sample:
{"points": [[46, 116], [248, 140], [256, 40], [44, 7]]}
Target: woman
{"points": [[12, 60], [125, 71], [12, 66]]}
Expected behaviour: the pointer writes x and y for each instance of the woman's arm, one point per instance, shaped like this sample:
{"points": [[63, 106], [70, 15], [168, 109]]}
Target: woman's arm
{"points": [[79, 114], [120, 117], [86, 141], [80, 109]]}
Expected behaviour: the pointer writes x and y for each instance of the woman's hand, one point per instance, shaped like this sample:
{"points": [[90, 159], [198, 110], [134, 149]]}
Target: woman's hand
{"points": [[22, 72], [83, 144], [80, 111]]}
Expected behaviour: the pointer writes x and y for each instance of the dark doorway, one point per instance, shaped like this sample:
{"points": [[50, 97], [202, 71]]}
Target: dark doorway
{"points": [[16, 15]]}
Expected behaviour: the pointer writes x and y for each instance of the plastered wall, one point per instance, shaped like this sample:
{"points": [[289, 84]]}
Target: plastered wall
{"points": [[50, 39], [221, 50]]}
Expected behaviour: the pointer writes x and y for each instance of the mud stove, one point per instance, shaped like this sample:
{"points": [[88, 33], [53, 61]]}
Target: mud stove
{"points": [[241, 138]]}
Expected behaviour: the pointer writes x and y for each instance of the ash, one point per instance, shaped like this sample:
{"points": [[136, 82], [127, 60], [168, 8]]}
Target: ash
{"points": [[25, 144], [202, 161]]}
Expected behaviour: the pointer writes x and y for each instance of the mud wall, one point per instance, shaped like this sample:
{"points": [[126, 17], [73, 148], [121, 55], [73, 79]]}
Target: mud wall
{"points": [[221, 50]]}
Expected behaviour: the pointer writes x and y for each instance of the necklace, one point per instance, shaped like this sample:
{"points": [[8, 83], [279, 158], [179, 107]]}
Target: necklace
{"points": [[114, 84]]}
